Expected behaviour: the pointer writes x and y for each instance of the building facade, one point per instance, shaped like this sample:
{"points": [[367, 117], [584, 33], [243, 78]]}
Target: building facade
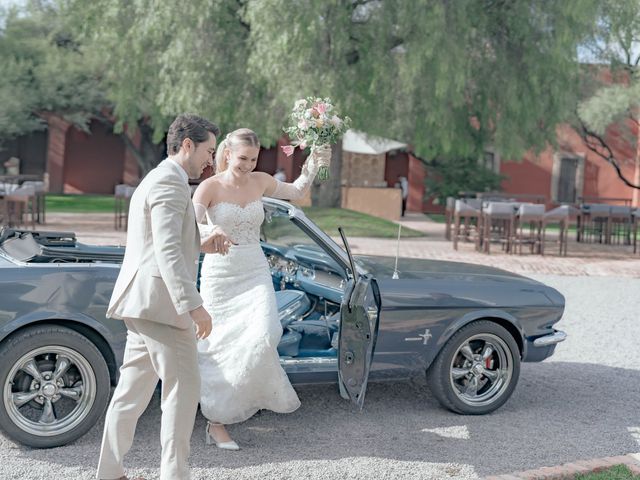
{"points": [[82, 162]]}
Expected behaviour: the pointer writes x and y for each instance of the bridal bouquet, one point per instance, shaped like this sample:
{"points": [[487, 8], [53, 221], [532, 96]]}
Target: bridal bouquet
{"points": [[314, 122]]}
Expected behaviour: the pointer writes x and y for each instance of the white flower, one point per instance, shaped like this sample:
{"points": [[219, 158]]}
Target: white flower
{"points": [[335, 121], [300, 103]]}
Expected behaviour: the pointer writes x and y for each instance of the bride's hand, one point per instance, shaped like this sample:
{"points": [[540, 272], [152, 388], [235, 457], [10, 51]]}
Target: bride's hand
{"points": [[216, 242], [321, 156]]}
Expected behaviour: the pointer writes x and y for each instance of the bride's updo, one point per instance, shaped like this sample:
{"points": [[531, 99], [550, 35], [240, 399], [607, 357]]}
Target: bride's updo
{"points": [[239, 137]]}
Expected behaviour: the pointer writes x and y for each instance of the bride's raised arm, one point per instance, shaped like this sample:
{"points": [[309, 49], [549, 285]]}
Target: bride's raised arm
{"points": [[297, 190]]}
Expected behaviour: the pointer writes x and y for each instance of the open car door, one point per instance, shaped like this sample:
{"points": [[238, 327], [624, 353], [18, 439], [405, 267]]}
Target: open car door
{"points": [[359, 314]]}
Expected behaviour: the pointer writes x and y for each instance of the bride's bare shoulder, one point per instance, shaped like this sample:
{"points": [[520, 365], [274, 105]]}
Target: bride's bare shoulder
{"points": [[210, 182], [206, 189], [261, 177]]}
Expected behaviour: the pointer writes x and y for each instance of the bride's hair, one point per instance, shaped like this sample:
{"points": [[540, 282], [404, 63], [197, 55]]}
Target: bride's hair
{"points": [[241, 136]]}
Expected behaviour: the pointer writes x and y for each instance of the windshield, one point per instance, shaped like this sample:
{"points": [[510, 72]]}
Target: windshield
{"points": [[279, 231]]}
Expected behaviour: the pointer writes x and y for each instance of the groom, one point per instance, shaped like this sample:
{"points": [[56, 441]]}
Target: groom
{"points": [[156, 296]]}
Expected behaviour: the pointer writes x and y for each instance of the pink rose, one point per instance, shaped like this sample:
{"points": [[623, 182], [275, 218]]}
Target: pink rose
{"points": [[320, 108], [303, 145], [288, 150]]}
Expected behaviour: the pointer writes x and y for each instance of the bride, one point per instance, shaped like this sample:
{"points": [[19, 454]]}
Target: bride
{"points": [[239, 363]]}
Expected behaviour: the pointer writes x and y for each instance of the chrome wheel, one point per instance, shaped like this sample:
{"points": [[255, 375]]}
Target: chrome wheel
{"points": [[49, 391], [481, 369]]}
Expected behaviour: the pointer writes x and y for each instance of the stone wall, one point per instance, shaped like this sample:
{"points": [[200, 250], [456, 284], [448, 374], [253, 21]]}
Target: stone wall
{"points": [[360, 170]]}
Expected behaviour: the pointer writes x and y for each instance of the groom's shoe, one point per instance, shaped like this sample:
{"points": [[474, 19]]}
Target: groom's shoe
{"points": [[210, 439]]}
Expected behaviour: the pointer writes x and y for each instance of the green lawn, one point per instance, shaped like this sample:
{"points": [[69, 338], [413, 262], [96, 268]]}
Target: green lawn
{"points": [[355, 224], [619, 472], [437, 217], [80, 203]]}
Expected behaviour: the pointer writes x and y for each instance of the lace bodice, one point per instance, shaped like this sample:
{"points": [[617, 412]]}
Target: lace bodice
{"points": [[241, 224]]}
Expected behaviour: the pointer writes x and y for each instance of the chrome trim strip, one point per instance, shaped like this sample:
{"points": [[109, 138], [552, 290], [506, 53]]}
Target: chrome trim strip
{"points": [[309, 361], [551, 339]]}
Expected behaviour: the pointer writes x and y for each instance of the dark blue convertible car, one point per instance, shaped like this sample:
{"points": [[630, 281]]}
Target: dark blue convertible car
{"points": [[345, 319]]}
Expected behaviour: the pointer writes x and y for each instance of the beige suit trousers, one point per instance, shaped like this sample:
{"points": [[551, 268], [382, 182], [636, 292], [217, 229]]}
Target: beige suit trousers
{"points": [[153, 351]]}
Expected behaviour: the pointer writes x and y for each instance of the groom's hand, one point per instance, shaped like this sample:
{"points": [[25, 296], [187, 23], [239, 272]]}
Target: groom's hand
{"points": [[216, 242], [202, 321]]}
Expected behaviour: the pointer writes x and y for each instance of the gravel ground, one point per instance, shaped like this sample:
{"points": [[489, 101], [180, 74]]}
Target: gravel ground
{"points": [[581, 404]]}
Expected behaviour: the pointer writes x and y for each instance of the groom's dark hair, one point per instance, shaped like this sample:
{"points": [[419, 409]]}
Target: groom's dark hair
{"points": [[190, 126]]}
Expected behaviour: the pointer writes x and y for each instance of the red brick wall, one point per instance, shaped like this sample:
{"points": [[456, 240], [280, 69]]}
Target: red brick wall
{"points": [[534, 173], [93, 163], [396, 164], [267, 160]]}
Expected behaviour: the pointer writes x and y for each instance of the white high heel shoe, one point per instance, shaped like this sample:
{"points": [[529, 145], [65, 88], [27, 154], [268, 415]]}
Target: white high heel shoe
{"points": [[210, 440]]}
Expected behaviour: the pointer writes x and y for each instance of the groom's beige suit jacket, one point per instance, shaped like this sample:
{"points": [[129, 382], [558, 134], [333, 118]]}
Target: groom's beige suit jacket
{"points": [[157, 280]]}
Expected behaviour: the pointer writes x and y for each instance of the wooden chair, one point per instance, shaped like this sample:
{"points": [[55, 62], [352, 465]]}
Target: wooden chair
{"points": [[466, 222], [40, 199], [634, 229], [620, 225], [19, 203], [561, 216], [122, 197], [531, 216], [498, 221], [448, 216], [594, 223]]}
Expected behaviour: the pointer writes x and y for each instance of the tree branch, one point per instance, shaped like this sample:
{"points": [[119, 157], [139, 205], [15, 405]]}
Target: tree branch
{"points": [[599, 146]]}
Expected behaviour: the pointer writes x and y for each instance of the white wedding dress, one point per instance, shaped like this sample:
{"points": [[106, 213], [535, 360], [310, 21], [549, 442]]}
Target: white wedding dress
{"points": [[239, 363]]}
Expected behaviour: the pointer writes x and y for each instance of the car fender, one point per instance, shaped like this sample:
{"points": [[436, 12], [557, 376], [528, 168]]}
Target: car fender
{"points": [[43, 316], [499, 316]]}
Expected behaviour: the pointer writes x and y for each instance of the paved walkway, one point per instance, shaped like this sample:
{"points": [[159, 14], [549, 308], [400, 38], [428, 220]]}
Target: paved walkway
{"points": [[582, 259]]}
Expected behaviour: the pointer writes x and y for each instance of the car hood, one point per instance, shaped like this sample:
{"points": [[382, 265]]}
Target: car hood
{"points": [[443, 283], [414, 268]]}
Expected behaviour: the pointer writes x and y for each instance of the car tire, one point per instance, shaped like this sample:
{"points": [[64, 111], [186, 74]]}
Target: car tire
{"points": [[55, 386], [477, 369]]}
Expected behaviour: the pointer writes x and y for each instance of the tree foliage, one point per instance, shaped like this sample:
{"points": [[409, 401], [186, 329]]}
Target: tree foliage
{"points": [[42, 72], [613, 101], [447, 77], [449, 177]]}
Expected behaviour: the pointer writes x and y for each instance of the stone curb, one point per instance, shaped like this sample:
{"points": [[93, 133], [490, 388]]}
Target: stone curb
{"points": [[569, 470]]}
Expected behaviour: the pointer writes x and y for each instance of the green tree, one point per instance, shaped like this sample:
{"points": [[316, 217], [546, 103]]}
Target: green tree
{"points": [[450, 78], [159, 59], [449, 177], [447, 77], [43, 72], [612, 97]]}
